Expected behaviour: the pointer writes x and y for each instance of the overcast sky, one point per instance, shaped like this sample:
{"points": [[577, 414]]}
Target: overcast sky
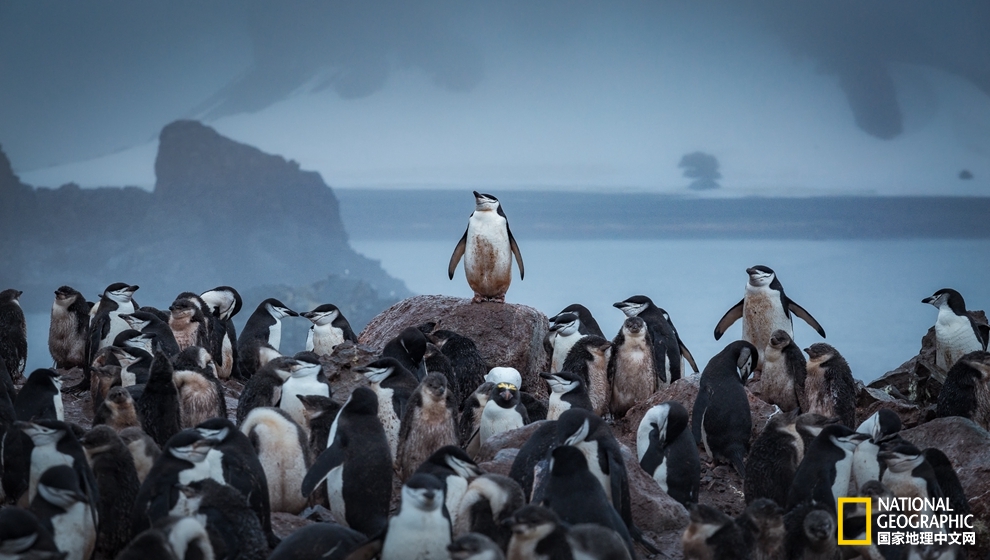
{"points": [[889, 97]]}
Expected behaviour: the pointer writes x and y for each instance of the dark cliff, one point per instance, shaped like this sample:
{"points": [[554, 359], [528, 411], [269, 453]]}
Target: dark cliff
{"points": [[221, 213]]}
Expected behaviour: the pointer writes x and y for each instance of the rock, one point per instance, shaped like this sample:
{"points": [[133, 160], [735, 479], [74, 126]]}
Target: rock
{"points": [[513, 439], [501, 463], [284, 524], [339, 368], [652, 509], [506, 334], [965, 444]]}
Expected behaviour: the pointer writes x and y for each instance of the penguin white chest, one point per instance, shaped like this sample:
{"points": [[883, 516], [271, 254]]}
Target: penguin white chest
{"points": [[389, 417], [300, 386], [487, 256], [556, 406], [954, 338], [74, 531], [275, 334], [763, 313], [335, 492], [562, 344], [866, 467], [117, 325], [324, 338], [495, 420], [43, 458], [590, 450], [843, 472], [417, 535]]}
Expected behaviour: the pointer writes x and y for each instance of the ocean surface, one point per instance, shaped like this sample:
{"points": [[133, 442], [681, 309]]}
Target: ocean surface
{"points": [[865, 293]]}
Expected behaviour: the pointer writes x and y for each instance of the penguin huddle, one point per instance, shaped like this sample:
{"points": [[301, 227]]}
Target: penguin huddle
{"points": [[169, 469]]}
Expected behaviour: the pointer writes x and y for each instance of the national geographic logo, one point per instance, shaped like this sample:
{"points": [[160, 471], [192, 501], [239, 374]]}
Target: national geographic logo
{"points": [[909, 521]]}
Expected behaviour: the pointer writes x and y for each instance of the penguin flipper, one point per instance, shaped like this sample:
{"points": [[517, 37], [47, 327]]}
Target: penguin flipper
{"points": [[730, 317], [456, 257], [515, 251], [800, 312], [698, 414], [331, 458], [687, 355]]}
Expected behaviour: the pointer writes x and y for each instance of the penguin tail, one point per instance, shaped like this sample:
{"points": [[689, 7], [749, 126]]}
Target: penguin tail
{"points": [[738, 458]]}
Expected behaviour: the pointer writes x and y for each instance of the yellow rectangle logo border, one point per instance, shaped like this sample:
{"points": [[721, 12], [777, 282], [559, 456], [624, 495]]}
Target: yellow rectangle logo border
{"points": [[869, 520]]}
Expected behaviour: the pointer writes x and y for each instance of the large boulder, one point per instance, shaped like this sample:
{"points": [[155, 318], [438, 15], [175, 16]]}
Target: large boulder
{"points": [[506, 334]]}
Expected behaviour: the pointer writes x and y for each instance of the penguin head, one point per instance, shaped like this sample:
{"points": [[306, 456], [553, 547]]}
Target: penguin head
{"points": [[760, 276], [567, 460], [576, 425], [780, 339], [190, 445], [44, 377], [947, 297], [504, 375], [532, 522], [474, 546], [66, 296], [706, 522], [120, 292], [59, 486], [634, 327], [505, 395], [634, 305], [195, 358], [764, 517], [190, 497], [144, 342], [819, 527], [19, 531], [563, 382], [819, 353], [216, 428], [746, 358], [455, 458], [902, 457], [100, 439], [223, 302], [434, 386], [322, 315], [485, 202], [842, 437], [380, 369], [316, 406], [137, 320], [183, 308], [883, 424], [565, 324], [307, 365], [119, 396], [128, 356], [362, 401], [413, 341], [43, 432], [277, 309], [423, 492], [281, 367]]}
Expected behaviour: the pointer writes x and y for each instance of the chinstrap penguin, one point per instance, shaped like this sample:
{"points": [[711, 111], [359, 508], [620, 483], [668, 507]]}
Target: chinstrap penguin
{"points": [[721, 418], [487, 247], [956, 334]]}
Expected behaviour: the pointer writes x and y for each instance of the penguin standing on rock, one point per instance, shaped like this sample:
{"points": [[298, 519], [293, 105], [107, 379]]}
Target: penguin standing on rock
{"points": [[106, 323], [504, 411], [487, 247], [329, 329], [264, 327], [667, 451], [394, 385], [13, 333], [428, 424], [631, 369], [41, 397], [764, 309], [589, 358], [67, 334], [409, 348], [784, 372], [966, 391], [721, 419], [465, 359], [829, 387], [565, 330], [667, 346], [357, 465], [956, 334]]}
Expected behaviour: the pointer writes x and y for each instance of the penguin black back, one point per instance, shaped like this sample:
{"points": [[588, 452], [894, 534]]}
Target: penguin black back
{"points": [[13, 333], [234, 530], [721, 418], [408, 348], [468, 364], [40, 398], [966, 391], [158, 406], [116, 477]]}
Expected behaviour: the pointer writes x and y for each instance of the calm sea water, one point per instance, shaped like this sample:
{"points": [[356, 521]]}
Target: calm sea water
{"points": [[866, 294]]}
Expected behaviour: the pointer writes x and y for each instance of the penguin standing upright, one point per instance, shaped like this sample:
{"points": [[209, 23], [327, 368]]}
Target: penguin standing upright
{"points": [[565, 328], [13, 333], [429, 423], [773, 460], [329, 329], [65, 510], [393, 385], [589, 358], [117, 480], [764, 309], [106, 323], [41, 397], [487, 247], [721, 419], [631, 369], [158, 406], [284, 452], [421, 528], [829, 387], [826, 469], [966, 391], [224, 302], [264, 327], [357, 465], [67, 333], [667, 346], [956, 334], [54, 444], [784, 372], [667, 451], [503, 412]]}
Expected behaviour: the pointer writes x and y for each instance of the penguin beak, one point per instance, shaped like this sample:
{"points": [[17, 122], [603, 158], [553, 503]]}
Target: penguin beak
{"points": [[929, 299], [619, 304]]}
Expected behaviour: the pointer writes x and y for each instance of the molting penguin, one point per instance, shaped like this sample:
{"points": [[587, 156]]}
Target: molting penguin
{"points": [[764, 520], [188, 322], [329, 329], [224, 302], [320, 414], [966, 391], [567, 390], [174, 538], [264, 388], [712, 534], [721, 418], [667, 451], [357, 465], [117, 479], [264, 327], [956, 334], [421, 528], [143, 449], [487, 247], [149, 323], [67, 334], [487, 502], [667, 346], [589, 358], [234, 531], [429, 423], [409, 349], [158, 406], [826, 469], [784, 371], [305, 378], [67, 512], [117, 411], [41, 397], [235, 457], [764, 309], [393, 384], [881, 428], [811, 533], [465, 359], [631, 369], [773, 460], [200, 392], [13, 333], [537, 532], [106, 323], [504, 411], [948, 480], [283, 450], [829, 387]]}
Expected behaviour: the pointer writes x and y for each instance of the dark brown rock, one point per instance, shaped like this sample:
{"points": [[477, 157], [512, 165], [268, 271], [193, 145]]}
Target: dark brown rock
{"points": [[513, 439], [506, 334], [339, 366], [284, 524], [652, 509]]}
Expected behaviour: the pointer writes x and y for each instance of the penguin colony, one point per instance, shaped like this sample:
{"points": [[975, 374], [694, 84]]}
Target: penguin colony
{"points": [[165, 472]]}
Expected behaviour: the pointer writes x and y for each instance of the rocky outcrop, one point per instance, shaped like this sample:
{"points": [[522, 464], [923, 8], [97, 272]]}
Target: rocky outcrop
{"points": [[506, 334]]}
